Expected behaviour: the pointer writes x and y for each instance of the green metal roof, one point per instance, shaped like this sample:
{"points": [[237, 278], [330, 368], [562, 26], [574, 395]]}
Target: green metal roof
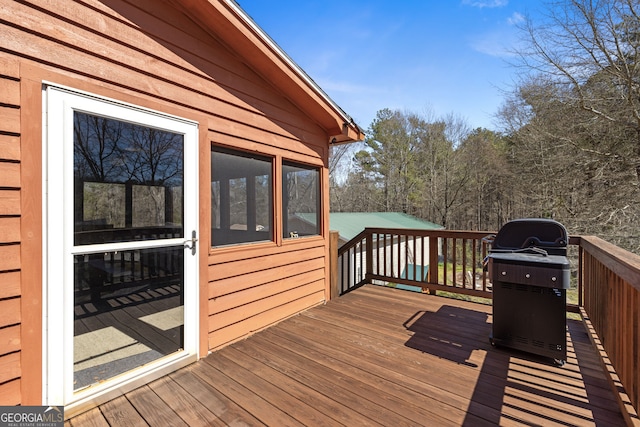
{"points": [[349, 224]]}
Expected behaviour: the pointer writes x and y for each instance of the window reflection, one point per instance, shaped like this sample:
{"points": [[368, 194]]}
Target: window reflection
{"points": [[128, 181], [300, 200], [128, 311], [241, 197]]}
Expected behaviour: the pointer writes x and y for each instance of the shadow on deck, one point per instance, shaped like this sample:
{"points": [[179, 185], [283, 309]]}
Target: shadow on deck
{"points": [[376, 356]]}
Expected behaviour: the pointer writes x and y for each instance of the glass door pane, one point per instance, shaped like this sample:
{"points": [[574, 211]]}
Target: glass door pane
{"points": [[128, 303], [128, 181], [128, 311]]}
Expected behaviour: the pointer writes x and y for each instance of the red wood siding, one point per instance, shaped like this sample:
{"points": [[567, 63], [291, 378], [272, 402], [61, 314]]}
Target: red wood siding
{"points": [[10, 368], [252, 289], [147, 53]]}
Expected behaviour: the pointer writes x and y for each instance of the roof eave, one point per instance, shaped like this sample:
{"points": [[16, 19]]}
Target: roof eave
{"points": [[226, 20]]}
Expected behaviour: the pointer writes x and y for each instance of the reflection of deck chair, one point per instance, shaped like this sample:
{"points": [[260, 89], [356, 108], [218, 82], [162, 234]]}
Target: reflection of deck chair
{"points": [[420, 272]]}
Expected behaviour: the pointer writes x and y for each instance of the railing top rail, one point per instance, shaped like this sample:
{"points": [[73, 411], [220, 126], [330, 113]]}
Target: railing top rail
{"points": [[411, 232], [433, 233], [353, 242], [620, 261]]}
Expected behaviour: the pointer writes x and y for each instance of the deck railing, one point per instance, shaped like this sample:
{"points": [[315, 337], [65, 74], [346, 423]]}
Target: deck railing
{"points": [[611, 278], [437, 260], [605, 286]]}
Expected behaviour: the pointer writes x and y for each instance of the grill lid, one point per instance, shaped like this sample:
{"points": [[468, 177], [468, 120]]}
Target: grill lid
{"points": [[546, 235]]}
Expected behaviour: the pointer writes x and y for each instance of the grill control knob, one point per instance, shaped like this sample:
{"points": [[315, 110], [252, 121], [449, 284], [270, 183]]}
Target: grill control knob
{"points": [[504, 273], [528, 276], [553, 279]]}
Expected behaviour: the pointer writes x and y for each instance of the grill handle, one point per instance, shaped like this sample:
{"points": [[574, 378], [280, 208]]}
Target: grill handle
{"points": [[534, 241]]}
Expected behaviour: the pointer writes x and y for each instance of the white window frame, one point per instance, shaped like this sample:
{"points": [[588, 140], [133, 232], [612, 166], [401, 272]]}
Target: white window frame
{"points": [[59, 104]]}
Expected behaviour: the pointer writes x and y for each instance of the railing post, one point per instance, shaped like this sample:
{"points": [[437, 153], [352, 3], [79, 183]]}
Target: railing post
{"points": [[334, 285], [580, 276], [433, 260], [369, 255]]}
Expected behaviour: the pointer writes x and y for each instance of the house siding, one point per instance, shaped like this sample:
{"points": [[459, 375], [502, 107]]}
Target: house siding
{"points": [[10, 343], [147, 53], [253, 289]]}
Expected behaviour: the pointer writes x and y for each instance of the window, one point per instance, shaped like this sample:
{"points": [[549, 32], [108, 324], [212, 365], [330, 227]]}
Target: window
{"points": [[241, 197], [300, 200]]}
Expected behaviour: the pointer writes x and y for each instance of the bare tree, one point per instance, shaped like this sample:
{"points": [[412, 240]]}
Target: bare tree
{"points": [[591, 47], [97, 147], [488, 196], [559, 170], [339, 168]]}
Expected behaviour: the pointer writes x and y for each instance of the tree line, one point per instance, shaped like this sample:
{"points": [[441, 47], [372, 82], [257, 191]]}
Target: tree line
{"points": [[567, 148]]}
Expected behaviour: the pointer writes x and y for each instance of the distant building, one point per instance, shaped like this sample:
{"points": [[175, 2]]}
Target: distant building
{"points": [[349, 224], [414, 256]]}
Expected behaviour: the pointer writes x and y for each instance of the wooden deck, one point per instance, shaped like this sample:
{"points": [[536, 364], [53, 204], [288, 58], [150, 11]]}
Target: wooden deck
{"points": [[376, 356]]}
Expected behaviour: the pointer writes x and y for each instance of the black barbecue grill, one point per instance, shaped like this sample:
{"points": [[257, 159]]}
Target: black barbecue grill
{"points": [[529, 269]]}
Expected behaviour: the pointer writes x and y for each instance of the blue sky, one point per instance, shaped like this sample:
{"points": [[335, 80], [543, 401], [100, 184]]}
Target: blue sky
{"points": [[431, 57]]}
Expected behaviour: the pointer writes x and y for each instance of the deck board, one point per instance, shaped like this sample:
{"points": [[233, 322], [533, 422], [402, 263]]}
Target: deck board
{"points": [[92, 418], [225, 411], [153, 408], [180, 400], [120, 412], [378, 357], [270, 383], [259, 405]]}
